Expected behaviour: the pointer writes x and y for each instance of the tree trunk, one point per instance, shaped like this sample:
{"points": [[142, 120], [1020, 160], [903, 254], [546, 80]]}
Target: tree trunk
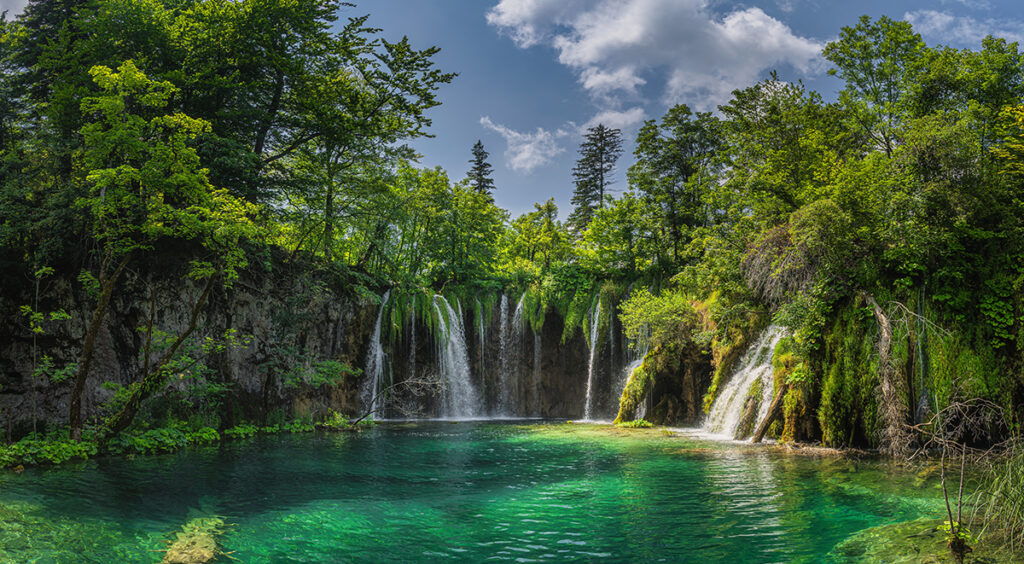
{"points": [[89, 347], [773, 412], [152, 381]]}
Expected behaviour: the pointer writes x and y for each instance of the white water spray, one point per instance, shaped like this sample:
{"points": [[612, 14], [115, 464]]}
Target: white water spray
{"points": [[375, 361], [756, 364], [458, 396], [595, 322]]}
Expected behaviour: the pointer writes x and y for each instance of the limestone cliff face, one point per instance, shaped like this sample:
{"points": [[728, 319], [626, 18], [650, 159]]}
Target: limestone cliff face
{"points": [[291, 321], [289, 317]]}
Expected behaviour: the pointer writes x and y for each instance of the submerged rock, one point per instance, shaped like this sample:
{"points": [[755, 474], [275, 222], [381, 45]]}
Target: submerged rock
{"points": [[917, 542], [196, 543]]}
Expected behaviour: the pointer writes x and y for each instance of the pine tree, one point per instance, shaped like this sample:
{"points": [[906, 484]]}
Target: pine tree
{"points": [[593, 174], [480, 173]]}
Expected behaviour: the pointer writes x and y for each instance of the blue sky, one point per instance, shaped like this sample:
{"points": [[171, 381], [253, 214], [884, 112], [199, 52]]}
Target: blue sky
{"points": [[533, 74]]}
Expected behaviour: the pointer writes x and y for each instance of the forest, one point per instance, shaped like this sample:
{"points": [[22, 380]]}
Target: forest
{"points": [[882, 232]]}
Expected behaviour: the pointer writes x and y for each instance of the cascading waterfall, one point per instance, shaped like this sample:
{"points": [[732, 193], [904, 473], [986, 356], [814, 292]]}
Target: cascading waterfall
{"points": [[504, 357], [375, 361], [517, 329], [595, 319], [458, 396], [756, 364]]}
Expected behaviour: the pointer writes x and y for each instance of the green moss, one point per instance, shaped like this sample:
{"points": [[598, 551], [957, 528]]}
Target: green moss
{"points": [[635, 424], [793, 409], [637, 387]]}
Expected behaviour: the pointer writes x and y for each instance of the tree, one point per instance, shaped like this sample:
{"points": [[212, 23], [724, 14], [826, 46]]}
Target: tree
{"points": [[480, 173], [674, 163], [593, 174], [620, 239], [145, 184], [877, 60], [371, 95], [538, 233]]}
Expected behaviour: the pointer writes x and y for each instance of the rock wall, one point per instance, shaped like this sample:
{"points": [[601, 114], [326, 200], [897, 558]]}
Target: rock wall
{"points": [[290, 320], [289, 317]]}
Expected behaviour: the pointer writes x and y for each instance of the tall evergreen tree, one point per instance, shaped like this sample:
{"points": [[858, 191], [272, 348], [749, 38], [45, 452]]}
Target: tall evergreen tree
{"points": [[593, 173], [480, 173]]}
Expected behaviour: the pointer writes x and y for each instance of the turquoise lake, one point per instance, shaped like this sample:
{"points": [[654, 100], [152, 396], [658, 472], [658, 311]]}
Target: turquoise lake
{"points": [[462, 492]]}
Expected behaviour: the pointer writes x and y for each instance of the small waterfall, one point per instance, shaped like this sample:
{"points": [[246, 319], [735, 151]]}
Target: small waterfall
{"points": [[375, 364], [504, 353], [513, 387], [536, 375], [595, 319], [756, 364], [639, 349], [458, 396]]}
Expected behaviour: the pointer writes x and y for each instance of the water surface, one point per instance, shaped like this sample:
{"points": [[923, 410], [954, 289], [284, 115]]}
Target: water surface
{"points": [[467, 491]]}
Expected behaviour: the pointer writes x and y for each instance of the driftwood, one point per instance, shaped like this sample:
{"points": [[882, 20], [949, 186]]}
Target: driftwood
{"points": [[773, 412], [893, 408]]}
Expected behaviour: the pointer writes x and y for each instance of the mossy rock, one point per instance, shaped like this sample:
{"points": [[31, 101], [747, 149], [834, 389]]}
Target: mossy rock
{"points": [[911, 542], [196, 543]]}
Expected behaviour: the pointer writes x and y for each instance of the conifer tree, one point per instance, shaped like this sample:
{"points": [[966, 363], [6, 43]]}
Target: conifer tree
{"points": [[480, 173], [593, 174]]}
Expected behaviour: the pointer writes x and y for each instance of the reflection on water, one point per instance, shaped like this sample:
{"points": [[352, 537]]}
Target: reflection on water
{"points": [[465, 491]]}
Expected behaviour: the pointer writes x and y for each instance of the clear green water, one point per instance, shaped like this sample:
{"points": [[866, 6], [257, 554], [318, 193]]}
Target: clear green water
{"points": [[461, 492]]}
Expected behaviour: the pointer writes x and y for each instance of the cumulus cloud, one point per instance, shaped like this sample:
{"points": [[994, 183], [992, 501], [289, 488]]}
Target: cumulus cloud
{"points": [[614, 46], [972, 4], [12, 7], [526, 151], [616, 119], [963, 30]]}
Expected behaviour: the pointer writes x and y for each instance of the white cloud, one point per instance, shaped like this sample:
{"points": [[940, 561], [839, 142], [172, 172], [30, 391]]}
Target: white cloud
{"points": [[962, 30], [617, 119], [614, 45], [527, 151], [972, 4], [12, 7]]}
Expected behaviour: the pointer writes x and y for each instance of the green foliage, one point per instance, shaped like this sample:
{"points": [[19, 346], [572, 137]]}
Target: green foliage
{"points": [[959, 536], [162, 439], [47, 370], [53, 449], [336, 420], [242, 431], [320, 373], [848, 409], [635, 424], [662, 319]]}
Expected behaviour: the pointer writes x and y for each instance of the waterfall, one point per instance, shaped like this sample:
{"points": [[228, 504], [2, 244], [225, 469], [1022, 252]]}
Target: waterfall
{"points": [[375, 361], [536, 375], [595, 319], [458, 396], [504, 354], [756, 364], [611, 346], [481, 336]]}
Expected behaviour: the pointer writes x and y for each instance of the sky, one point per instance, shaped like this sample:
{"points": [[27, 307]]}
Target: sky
{"points": [[534, 74]]}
